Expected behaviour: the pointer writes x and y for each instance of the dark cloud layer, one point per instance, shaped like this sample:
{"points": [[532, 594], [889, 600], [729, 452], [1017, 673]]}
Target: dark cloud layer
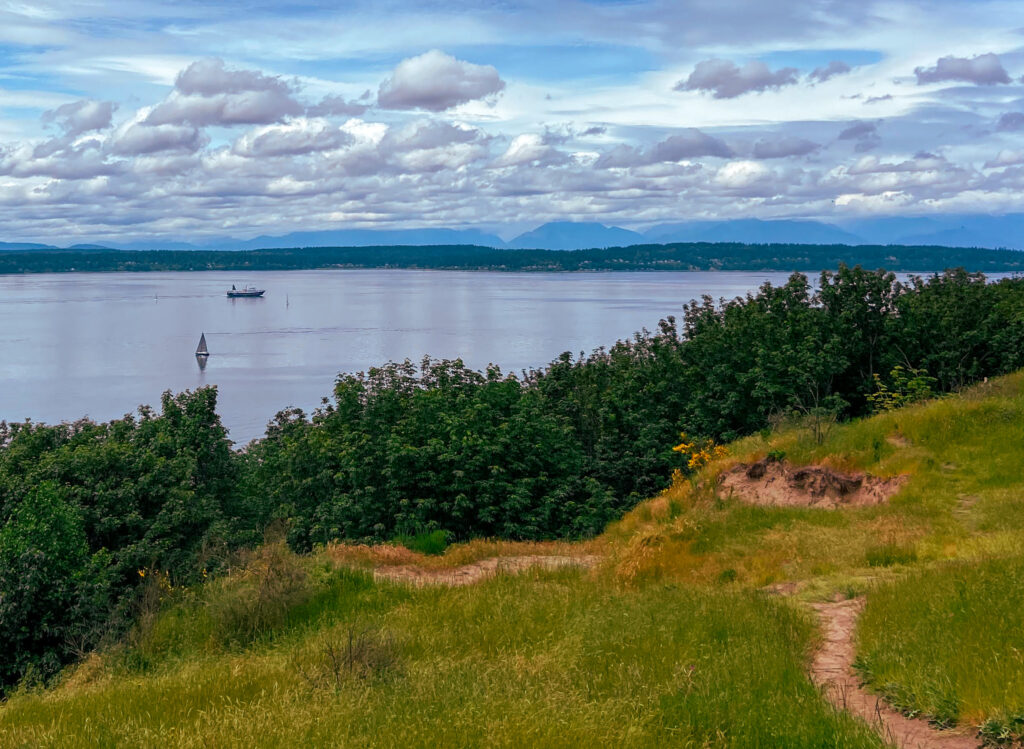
{"points": [[726, 80], [981, 70], [822, 74]]}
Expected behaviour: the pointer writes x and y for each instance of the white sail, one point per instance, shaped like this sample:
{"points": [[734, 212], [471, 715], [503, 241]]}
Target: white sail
{"points": [[201, 349]]}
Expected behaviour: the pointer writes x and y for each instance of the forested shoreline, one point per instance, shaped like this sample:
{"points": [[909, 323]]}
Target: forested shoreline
{"points": [[649, 257], [87, 510]]}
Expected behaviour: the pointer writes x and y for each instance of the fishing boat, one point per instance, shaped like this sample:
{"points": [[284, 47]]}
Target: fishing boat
{"points": [[245, 291]]}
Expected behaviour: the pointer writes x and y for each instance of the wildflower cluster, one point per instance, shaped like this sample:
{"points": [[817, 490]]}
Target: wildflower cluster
{"points": [[698, 453], [158, 582]]}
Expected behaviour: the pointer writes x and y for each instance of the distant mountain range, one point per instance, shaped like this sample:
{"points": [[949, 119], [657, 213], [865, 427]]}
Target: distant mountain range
{"points": [[969, 230]]}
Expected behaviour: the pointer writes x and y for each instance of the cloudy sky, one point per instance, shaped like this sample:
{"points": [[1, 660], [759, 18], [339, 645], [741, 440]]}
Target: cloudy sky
{"points": [[134, 119]]}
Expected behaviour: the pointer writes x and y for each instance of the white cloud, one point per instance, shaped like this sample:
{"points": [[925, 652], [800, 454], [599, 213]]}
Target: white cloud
{"points": [[530, 148], [81, 116], [295, 138], [208, 93], [139, 138], [435, 81]]}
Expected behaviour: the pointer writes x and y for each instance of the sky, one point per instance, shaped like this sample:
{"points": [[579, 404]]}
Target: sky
{"points": [[133, 119]]}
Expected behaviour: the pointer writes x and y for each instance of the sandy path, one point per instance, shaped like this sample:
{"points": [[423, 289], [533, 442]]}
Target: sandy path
{"points": [[832, 670], [468, 574]]}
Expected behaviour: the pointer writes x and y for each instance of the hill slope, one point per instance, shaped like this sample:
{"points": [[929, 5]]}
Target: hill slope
{"points": [[671, 639]]}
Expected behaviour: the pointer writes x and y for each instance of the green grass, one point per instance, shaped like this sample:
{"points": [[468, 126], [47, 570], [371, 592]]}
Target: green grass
{"points": [[542, 659], [948, 643]]}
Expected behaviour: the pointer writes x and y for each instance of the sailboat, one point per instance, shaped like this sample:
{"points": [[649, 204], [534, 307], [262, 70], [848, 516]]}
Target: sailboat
{"points": [[202, 353]]}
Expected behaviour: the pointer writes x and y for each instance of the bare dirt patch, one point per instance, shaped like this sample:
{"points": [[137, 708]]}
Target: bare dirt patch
{"points": [[468, 574], [774, 482], [832, 670]]}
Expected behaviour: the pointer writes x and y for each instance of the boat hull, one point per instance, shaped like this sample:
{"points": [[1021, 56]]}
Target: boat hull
{"points": [[238, 294]]}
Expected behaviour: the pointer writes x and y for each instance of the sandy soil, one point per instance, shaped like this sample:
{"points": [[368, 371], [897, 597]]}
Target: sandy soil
{"points": [[832, 670], [774, 482], [468, 574]]}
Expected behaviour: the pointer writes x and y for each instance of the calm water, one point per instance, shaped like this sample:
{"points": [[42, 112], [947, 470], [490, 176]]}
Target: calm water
{"points": [[100, 344]]}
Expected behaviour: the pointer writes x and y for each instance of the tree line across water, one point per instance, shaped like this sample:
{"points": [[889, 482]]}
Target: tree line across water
{"points": [[87, 510], [679, 256]]}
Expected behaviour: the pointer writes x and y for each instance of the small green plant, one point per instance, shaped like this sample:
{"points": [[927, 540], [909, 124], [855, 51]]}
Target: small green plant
{"points": [[425, 542], [1003, 730], [906, 386], [727, 575]]}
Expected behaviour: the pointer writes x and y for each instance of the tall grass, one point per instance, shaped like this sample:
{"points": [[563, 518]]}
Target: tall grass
{"points": [[542, 659], [948, 643]]}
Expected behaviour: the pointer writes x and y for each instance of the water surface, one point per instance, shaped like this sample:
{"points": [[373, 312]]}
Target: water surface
{"points": [[78, 344]]}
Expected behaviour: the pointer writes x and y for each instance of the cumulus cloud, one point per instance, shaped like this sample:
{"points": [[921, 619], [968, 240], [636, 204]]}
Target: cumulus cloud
{"points": [[740, 175], [688, 144], [208, 93], [725, 80], [81, 116], [428, 134], [337, 106], [531, 148], [140, 138], [211, 76], [782, 147], [822, 74], [295, 138], [436, 81], [981, 70], [1010, 122]]}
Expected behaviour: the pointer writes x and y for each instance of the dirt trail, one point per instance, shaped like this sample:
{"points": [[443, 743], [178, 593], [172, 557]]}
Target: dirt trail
{"points": [[832, 670], [468, 574]]}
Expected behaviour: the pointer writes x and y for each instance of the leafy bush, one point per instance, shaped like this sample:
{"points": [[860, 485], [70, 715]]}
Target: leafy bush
{"points": [[53, 593], [425, 542]]}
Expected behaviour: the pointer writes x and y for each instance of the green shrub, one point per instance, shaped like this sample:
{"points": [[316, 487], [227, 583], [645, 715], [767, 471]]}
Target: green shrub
{"points": [[53, 594], [426, 542]]}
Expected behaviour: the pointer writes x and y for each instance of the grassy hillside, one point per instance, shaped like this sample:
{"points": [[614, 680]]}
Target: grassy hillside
{"points": [[671, 639]]}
